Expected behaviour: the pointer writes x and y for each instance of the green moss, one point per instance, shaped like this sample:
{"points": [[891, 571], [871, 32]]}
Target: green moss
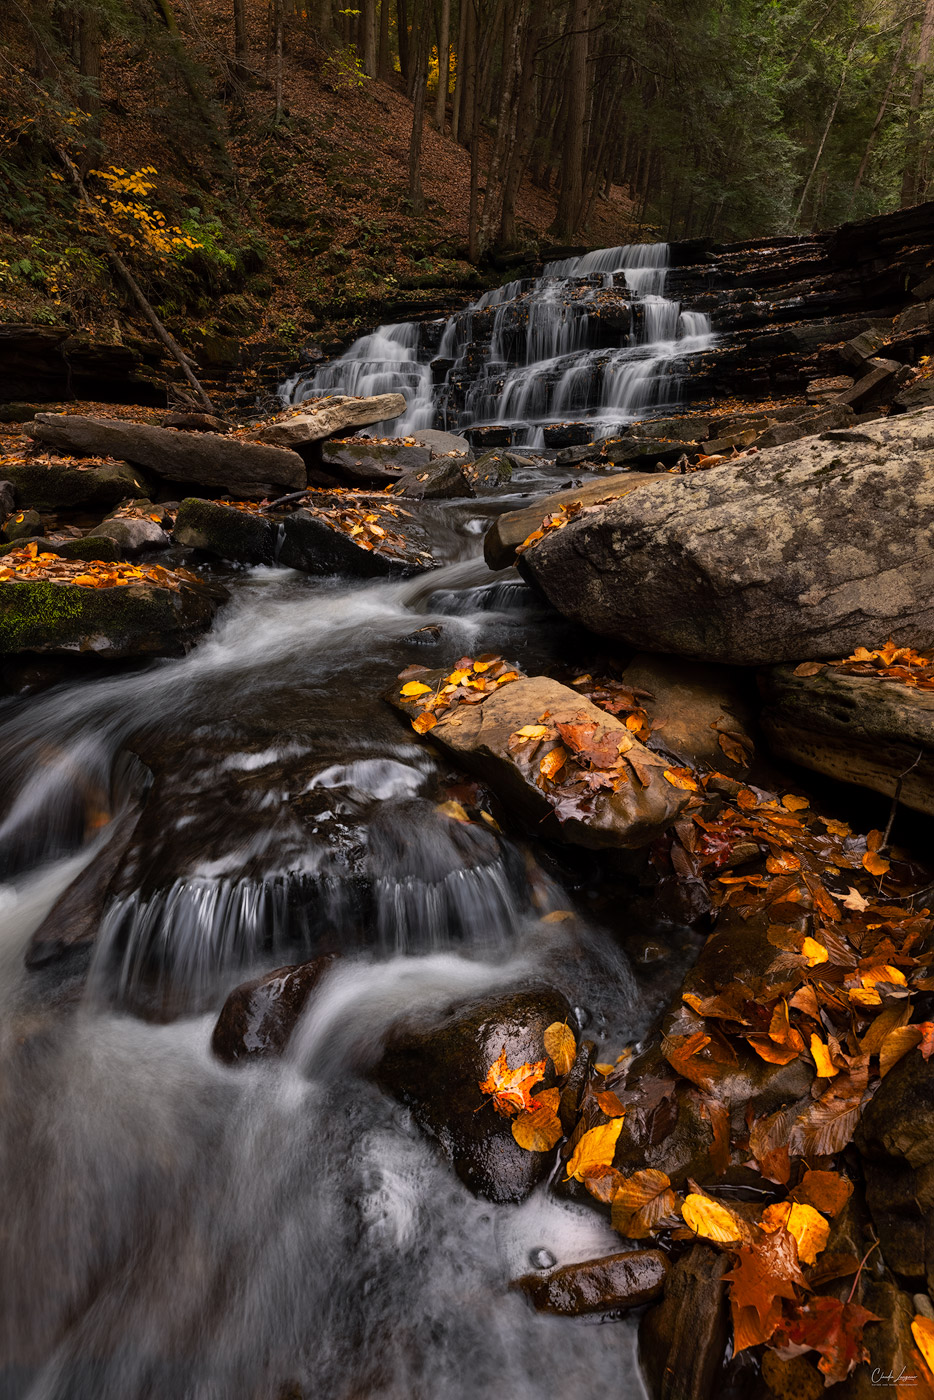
{"points": [[225, 531], [33, 612]]}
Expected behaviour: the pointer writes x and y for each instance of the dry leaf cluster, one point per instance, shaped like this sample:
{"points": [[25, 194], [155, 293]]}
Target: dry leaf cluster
{"points": [[28, 565]]}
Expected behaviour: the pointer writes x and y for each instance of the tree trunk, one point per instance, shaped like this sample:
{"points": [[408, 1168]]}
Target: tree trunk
{"points": [[279, 5], [368, 37], [384, 60], [241, 41], [913, 177], [420, 73], [828, 125], [89, 66], [510, 78], [458, 103], [444, 64], [402, 35], [524, 123], [886, 99], [570, 200], [468, 115]]}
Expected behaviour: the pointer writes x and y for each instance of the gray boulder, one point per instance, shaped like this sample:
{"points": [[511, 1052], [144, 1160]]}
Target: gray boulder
{"points": [[225, 531], [329, 417], [373, 463], [313, 541], [443, 443], [804, 551], [249, 470], [857, 729]]}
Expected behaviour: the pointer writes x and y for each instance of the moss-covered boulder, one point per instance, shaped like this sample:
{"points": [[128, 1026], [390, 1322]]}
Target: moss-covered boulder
{"points": [[67, 608], [364, 536], [61, 483], [241, 536]]}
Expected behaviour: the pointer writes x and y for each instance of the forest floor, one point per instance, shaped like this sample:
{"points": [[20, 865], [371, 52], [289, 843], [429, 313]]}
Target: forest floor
{"points": [[305, 224]]}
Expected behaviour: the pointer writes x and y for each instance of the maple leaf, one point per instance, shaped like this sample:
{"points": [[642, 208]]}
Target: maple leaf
{"points": [[835, 1330], [762, 1274], [511, 1088]]}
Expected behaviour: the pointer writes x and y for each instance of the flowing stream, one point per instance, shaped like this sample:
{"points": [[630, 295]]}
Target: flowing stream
{"points": [[173, 1227]]}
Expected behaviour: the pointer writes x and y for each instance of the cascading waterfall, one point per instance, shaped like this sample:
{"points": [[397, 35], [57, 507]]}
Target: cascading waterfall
{"points": [[593, 340]]}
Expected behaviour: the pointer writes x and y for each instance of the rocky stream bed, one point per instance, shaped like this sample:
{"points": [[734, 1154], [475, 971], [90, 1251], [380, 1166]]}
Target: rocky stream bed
{"points": [[466, 905]]}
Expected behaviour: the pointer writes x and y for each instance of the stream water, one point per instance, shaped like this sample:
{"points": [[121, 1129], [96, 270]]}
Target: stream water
{"points": [[172, 1227]]}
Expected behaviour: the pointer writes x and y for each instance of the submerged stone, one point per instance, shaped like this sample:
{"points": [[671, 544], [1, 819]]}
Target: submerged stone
{"points": [[258, 1017], [624, 1280]]}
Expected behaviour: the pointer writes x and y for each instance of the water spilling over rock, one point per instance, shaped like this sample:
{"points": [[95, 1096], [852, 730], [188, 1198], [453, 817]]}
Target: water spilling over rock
{"points": [[571, 356]]}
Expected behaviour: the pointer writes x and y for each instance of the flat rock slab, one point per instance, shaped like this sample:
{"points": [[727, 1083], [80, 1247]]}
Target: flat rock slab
{"points": [[369, 463], [112, 623], [858, 729], [328, 419], [478, 736], [246, 469], [801, 552], [510, 529], [442, 443], [54, 484]]}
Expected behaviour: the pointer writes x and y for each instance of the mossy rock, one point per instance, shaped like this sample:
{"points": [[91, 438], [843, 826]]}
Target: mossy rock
{"points": [[37, 615], [89, 549], [226, 532], [59, 485]]}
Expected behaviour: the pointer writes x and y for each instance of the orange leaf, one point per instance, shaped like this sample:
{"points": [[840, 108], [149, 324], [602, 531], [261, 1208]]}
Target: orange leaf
{"points": [[595, 1148], [808, 1226], [610, 1104], [681, 778], [511, 1088], [826, 1191], [560, 1047], [644, 1203], [553, 762], [423, 722], [539, 1129]]}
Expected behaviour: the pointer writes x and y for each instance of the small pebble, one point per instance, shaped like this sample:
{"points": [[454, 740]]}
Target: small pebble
{"points": [[542, 1259]]}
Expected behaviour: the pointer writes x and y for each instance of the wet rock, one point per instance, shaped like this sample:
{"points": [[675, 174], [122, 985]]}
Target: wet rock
{"points": [[112, 623], [225, 531], [443, 479], [683, 1339], [132, 534], [373, 463], [895, 1139], [436, 1070], [94, 548], [487, 473], [478, 737], [625, 1280], [330, 417], [514, 526], [258, 1017], [693, 705], [250, 470], [800, 552], [7, 498], [836, 415], [857, 729], [196, 422], [310, 542], [62, 485], [72, 924], [25, 524], [428, 636]]}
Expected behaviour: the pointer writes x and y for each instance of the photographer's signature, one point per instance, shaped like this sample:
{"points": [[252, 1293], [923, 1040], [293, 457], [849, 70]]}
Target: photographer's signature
{"points": [[880, 1377]]}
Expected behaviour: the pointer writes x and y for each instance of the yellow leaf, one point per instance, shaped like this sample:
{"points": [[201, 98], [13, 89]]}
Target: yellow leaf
{"points": [[713, 1221], [453, 810], [681, 778], [539, 1129], [896, 1045], [604, 1069], [595, 1149], [415, 688], [814, 952], [922, 1329], [425, 721], [826, 1069], [863, 996], [810, 1229], [456, 677], [553, 762], [794, 804], [560, 1046], [885, 974], [531, 731]]}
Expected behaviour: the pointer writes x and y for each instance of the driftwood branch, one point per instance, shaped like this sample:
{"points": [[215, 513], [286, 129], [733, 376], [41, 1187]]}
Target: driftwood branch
{"points": [[124, 273], [895, 799]]}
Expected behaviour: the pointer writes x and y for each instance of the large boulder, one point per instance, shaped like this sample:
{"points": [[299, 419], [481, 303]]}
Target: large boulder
{"points": [[801, 552], [241, 536], [337, 539], [478, 736], [250, 470], [369, 463], [51, 483], [701, 713], [436, 1069], [876, 733], [895, 1138], [140, 619], [514, 527], [683, 1339], [329, 417]]}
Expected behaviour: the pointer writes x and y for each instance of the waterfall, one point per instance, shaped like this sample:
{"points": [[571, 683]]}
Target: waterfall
{"points": [[594, 340]]}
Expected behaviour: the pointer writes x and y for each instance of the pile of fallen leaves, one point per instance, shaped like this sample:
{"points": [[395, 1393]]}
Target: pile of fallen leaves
{"points": [[624, 701], [29, 566], [370, 529], [890, 663], [469, 683], [49, 459], [556, 520]]}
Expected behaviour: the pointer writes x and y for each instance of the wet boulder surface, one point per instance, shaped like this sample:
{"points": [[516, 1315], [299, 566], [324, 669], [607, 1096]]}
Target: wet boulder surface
{"points": [[259, 1016], [436, 1069], [807, 550], [625, 1280]]}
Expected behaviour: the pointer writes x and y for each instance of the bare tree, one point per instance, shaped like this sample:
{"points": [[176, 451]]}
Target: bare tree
{"points": [[571, 198], [444, 63]]}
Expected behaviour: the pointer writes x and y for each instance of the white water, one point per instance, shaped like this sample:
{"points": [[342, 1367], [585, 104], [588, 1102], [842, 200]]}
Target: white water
{"points": [[543, 363]]}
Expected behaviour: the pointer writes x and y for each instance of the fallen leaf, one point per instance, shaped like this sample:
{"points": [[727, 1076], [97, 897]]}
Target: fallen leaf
{"points": [[610, 1104], [826, 1068], [603, 1183], [793, 803], [835, 1330], [808, 1226], [643, 1204], [553, 762], [826, 1191], [560, 1047], [897, 1045], [539, 1129], [681, 778], [815, 952], [423, 722], [713, 1221], [855, 901], [511, 1088], [595, 1148], [415, 688], [922, 1329]]}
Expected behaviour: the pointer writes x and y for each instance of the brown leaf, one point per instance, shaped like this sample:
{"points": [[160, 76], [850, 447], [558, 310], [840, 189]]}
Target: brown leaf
{"points": [[595, 1148], [643, 1204], [826, 1191], [835, 1330]]}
